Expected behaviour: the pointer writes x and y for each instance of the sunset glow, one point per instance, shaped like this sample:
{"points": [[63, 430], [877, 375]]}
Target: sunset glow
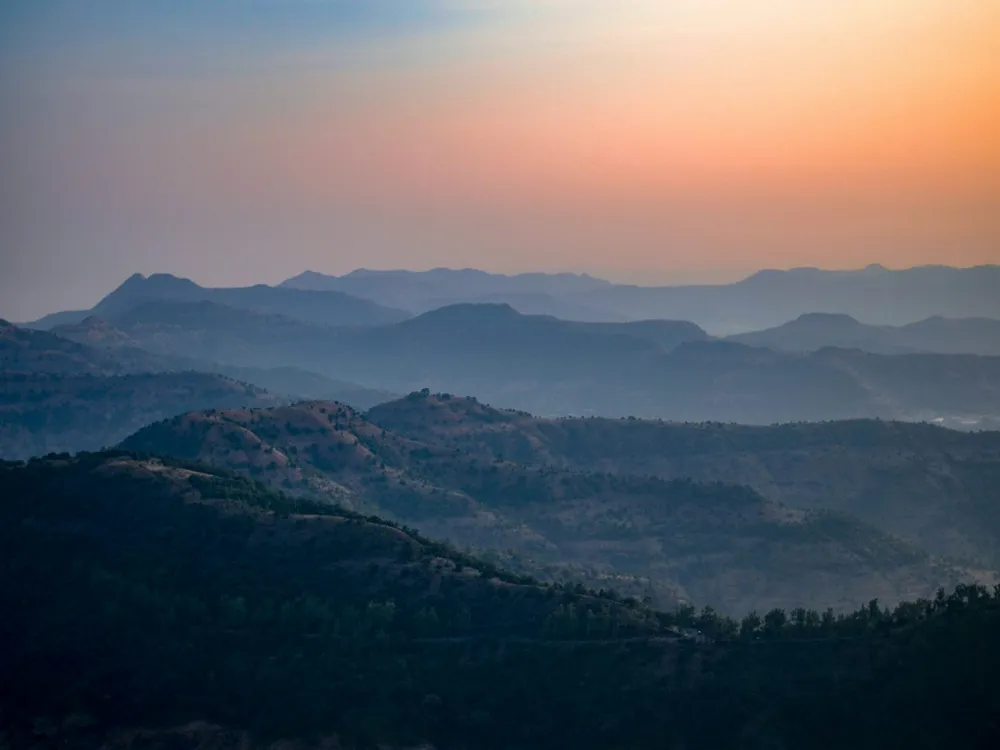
{"points": [[679, 136]]}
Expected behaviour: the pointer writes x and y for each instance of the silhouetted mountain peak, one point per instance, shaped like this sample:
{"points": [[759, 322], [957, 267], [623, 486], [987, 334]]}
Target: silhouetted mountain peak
{"points": [[826, 320], [134, 280], [470, 314]]}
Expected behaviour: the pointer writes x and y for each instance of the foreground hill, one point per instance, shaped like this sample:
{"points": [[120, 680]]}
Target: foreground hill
{"points": [[42, 414], [708, 542], [326, 308], [164, 605], [935, 335], [937, 488]]}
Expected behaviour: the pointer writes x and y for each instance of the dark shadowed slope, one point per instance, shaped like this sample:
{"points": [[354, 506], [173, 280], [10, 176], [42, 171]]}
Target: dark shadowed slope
{"points": [[934, 335], [185, 344], [104, 542], [327, 308], [163, 605], [62, 395], [42, 413], [937, 488], [27, 350], [710, 542]]}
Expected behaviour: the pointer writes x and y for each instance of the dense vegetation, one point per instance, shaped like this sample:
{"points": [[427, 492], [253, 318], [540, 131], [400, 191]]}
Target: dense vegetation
{"points": [[148, 593], [936, 488], [701, 541]]}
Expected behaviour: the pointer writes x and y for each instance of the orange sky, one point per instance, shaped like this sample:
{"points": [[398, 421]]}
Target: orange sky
{"points": [[664, 135]]}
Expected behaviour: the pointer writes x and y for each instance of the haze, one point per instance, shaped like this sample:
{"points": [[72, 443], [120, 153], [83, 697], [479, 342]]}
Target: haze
{"points": [[239, 142]]}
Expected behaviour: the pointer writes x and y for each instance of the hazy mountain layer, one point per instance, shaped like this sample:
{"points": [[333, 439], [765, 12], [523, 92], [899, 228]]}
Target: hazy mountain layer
{"points": [[291, 382], [326, 308], [658, 369], [420, 291], [934, 335], [875, 295]]}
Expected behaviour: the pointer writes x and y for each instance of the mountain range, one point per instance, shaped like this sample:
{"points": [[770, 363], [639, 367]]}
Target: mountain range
{"points": [[665, 369], [326, 307], [242, 572], [875, 295], [935, 335]]}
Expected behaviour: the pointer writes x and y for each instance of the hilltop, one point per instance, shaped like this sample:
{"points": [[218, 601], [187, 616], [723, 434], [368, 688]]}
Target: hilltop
{"points": [[936, 335], [706, 541], [323, 308]]}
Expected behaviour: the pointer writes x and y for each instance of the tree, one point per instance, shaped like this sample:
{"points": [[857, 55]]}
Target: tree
{"points": [[750, 626], [774, 622]]}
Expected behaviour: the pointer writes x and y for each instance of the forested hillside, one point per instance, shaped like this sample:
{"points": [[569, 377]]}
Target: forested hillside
{"points": [[150, 594], [702, 541], [937, 488]]}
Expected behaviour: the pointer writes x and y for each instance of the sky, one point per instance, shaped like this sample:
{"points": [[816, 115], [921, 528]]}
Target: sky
{"points": [[243, 141]]}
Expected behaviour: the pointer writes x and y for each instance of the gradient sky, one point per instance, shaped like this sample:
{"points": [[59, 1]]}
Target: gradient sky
{"points": [[239, 141]]}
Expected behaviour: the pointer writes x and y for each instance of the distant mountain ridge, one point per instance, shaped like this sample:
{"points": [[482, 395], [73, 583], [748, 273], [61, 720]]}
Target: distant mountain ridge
{"points": [[936, 335], [554, 367], [320, 307], [420, 291], [875, 295]]}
